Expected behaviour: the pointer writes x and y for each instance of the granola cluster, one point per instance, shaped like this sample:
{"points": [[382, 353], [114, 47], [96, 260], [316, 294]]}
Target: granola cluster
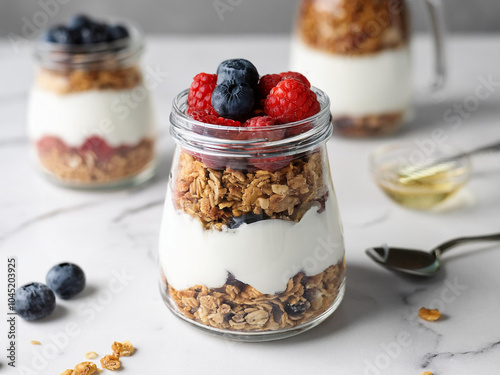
{"points": [[429, 314], [71, 81], [120, 349], [353, 27], [83, 368], [240, 307], [108, 362], [216, 196], [69, 165], [372, 125]]}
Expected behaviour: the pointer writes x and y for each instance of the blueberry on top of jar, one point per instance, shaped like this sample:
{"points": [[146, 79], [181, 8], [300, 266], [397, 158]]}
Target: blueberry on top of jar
{"points": [[233, 99], [239, 70], [84, 30]]}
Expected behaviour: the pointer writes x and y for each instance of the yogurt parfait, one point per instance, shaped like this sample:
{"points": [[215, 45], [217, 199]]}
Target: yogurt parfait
{"points": [[90, 117], [358, 51], [251, 243]]}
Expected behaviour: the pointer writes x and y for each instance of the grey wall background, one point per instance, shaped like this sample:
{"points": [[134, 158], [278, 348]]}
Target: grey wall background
{"points": [[234, 16]]}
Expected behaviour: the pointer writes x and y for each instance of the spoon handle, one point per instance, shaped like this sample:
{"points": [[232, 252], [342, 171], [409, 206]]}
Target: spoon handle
{"points": [[458, 241]]}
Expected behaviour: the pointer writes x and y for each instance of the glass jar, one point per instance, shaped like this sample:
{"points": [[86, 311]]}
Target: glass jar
{"points": [[358, 51], [90, 118], [251, 244]]}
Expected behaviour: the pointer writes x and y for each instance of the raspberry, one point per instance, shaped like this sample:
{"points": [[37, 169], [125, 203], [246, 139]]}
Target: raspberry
{"points": [[209, 118], [48, 143], [266, 83], [260, 123], [291, 101], [269, 81], [200, 93], [272, 164], [98, 146], [297, 76]]}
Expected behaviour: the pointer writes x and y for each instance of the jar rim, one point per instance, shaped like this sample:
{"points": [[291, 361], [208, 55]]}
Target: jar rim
{"points": [[205, 138], [124, 51]]}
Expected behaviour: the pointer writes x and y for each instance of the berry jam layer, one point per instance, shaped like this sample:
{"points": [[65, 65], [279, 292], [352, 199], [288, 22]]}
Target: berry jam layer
{"points": [[94, 161], [228, 197], [240, 307], [367, 126], [71, 81], [353, 27]]}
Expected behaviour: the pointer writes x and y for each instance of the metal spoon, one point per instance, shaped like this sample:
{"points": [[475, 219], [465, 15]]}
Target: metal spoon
{"points": [[419, 262]]}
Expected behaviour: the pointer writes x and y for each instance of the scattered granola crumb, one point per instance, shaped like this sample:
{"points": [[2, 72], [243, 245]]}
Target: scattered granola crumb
{"points": [[122, 349], [428, 314], [35, 342], [83, 368], [427, 373], [91, 355], [110, 362]]}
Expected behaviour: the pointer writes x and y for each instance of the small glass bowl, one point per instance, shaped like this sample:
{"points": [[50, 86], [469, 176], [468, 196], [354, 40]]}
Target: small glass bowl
{"points": [[409, 176]]}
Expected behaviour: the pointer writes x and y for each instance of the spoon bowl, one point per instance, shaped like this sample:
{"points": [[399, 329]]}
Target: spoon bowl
{"points": [[419, 262], [415, 262]]}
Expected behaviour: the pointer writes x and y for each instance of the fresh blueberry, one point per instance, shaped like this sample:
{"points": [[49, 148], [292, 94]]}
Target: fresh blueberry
{"points": [[66, 280], [297, 309], [34, 301], [240, 70], [93, 33], [233, 99], [237, 221], [61, 35], [78, 21], [117, 32]]}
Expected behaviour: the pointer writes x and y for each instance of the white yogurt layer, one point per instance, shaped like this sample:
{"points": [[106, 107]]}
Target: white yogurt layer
{"points": [[264, 254], [358, 85], [121, 117]]}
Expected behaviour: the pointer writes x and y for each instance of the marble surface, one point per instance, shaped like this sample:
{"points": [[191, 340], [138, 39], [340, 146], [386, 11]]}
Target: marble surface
{"points": [[114, 236]]}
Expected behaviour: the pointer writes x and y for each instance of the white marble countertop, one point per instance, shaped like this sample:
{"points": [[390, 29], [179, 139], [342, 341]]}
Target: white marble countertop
{"points": [[113, 236]]}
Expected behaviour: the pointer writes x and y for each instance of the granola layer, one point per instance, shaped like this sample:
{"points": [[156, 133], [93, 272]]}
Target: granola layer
{"points": [[240, 307], [70, 165], [366, 126], [216, 196], [353, 27], [71, 81]]}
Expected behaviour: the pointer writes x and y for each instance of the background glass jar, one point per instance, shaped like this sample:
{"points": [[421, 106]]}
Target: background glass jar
{"points": [[90, 117], [251, 244], [359, 52]]}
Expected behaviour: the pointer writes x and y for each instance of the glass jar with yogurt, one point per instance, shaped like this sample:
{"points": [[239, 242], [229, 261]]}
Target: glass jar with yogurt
{"points": [[90, 119], [251, 244], [359, 52]]}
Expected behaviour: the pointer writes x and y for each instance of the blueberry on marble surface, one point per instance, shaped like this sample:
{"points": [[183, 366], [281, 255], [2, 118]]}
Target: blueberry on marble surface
{"points": [[66, 280], [34, 301]]}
